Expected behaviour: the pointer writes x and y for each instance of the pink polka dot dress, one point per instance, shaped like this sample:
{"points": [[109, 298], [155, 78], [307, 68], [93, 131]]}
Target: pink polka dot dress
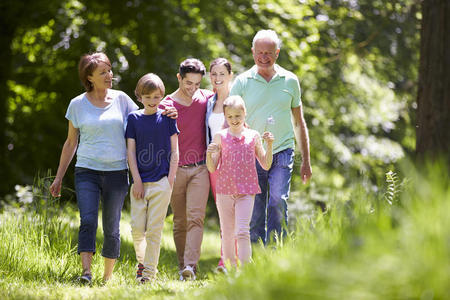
{"points": [[237, 170]]}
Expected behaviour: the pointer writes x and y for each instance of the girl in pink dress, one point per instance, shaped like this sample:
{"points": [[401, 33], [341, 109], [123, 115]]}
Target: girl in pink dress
{"points": [[234, 150]]}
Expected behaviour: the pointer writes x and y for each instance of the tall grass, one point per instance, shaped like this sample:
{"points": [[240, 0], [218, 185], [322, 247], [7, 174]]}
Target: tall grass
{"points": [[38, 254], [394, 245], [389, 245]]}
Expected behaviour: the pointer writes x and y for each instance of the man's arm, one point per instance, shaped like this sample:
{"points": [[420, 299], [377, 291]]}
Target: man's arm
{"points": [[301, 134]]}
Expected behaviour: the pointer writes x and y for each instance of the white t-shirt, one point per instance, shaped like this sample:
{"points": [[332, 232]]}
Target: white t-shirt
{"points": [[215, 122]]}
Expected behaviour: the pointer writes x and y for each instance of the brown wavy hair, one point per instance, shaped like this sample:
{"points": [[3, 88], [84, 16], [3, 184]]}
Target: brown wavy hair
{"points": [[87, 65]]}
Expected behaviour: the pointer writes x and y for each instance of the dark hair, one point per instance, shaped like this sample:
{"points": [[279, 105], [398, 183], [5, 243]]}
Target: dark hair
{"points": [[192, 65], [221, 61], [148, 84], [87, 65]]}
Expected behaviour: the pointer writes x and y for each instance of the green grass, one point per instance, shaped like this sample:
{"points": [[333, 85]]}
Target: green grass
{"points": [[38, 260], [393, 245]]}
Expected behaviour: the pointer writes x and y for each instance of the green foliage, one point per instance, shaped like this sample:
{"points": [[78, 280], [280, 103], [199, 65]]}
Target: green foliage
{"points": [[357, 62], [364, 248], [392, 191], [361, 248], [38, 255]]}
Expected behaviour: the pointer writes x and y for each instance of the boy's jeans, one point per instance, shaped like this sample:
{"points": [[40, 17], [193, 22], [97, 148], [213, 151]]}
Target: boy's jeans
{"points": [[271, 210], [112, 187]]}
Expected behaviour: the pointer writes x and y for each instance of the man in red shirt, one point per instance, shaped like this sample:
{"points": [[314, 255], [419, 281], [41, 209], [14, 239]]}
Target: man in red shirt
{"points": [[191, 187]]}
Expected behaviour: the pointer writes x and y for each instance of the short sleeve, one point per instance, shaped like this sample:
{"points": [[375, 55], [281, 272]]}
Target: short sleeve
{"points": [[236, 88], [165, 103], [173, 129], [126, 105], [131, 106], [71, 114], [296, 92], [130, 132]]}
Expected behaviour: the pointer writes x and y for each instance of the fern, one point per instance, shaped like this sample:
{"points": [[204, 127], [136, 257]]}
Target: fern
{"points": [[393, 188]]}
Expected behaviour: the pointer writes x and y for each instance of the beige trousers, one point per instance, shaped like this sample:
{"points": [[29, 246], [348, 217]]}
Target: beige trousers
{"points": [[188, 203], [147, 221]]}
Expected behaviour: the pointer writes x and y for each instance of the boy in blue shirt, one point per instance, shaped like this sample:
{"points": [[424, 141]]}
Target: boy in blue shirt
{"points": [[152, 142]]}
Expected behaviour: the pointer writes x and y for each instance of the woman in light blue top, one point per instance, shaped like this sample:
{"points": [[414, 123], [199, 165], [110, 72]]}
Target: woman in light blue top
{"points": [[97, 117], [221, 75]]}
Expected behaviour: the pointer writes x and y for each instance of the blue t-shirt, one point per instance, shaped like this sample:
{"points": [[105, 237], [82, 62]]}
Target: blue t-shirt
{"points": [[152, 135], [102, 146]]}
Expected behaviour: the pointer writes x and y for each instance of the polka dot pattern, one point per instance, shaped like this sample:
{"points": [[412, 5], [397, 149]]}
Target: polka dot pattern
{"points": [[237, 169]]}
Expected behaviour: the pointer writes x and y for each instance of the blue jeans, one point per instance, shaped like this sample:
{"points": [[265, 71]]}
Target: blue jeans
{"points": [[112, 187], [271, 210]]}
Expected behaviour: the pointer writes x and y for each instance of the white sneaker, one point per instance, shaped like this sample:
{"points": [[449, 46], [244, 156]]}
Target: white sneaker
{"points": [[221, 269], [181, 276], [188, 273]]}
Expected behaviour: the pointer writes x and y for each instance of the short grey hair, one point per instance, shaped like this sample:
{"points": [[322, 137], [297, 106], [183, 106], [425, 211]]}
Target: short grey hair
{"points": [[262, 34]]}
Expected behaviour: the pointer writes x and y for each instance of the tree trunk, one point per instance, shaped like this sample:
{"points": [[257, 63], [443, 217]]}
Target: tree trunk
{"points": [[433, 98], [5, 67]]}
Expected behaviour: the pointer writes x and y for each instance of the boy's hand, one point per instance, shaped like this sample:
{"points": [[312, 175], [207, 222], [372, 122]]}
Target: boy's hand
{"points": [[138, 190], [171, 112], [268, 137], [171, 180], [213, 148]]}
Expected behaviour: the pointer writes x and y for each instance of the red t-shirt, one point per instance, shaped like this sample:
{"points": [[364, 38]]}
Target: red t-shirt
{"points": [[191, 123]]}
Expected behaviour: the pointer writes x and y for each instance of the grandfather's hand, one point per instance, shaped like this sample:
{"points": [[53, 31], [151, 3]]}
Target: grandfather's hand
{"points": [[305, 171]]}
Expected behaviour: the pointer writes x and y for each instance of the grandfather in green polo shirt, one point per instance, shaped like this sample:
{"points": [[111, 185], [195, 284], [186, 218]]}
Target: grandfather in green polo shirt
{"points": [[272, 95]]}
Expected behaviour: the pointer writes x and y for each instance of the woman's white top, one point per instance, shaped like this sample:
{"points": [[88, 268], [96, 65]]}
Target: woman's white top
{"points": [[215, 122]]}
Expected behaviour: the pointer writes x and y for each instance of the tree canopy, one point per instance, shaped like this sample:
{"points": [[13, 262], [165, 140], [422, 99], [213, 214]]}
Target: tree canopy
{"points": [[357, 61]]}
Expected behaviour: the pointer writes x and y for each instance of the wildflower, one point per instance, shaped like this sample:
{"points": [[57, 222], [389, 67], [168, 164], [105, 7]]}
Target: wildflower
{"points": [[24, 193], [269, 121]]}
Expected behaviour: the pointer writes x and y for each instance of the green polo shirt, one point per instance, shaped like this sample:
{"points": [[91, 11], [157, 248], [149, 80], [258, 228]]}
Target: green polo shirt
{"points": [[269, 104]]}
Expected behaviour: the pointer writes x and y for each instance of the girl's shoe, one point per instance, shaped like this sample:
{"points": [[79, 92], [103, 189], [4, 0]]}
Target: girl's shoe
{"points": [[221, 269]]}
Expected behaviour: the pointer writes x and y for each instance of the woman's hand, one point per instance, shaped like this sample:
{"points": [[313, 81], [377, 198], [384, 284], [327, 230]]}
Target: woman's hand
{"points": [[55, 187]]}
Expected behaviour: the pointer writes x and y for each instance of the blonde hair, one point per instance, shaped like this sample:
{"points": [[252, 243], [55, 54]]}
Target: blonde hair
{"points": [[234, 102], [148, 84]]}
